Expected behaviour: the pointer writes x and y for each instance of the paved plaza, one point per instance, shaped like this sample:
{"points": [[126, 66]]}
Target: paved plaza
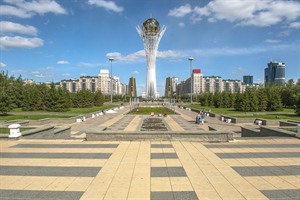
{"points": [[258, 168]]}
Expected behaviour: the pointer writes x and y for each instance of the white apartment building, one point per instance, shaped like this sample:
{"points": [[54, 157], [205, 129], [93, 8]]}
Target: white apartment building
{"points": [[212, 84], [103, 82]]}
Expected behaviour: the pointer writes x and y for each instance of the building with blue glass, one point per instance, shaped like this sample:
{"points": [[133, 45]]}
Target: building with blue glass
{"points": [[275, 73]]}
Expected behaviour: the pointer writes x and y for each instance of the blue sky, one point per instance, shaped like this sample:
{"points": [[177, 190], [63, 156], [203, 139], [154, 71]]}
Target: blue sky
{"points": [[51, 40]]}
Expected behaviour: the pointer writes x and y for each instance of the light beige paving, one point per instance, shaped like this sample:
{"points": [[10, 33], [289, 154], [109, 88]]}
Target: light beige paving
{"points": [[127, 173], [134, 124]]}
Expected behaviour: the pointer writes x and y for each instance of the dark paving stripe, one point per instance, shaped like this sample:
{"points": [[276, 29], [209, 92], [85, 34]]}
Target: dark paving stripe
{"points": [[49, 171], [56, 155], [260, 155], [65, 146], [268, 170], [182, 195], [168, 172], [253, 146], [163, 155], [38, 194], [282, 194], [161, 146]]}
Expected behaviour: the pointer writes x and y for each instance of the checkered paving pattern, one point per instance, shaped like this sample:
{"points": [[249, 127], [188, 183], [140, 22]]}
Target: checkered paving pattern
{"points": [[185, 124], [271, 167], [73, 169], [121, 124], [44, 170], [168, 177]]}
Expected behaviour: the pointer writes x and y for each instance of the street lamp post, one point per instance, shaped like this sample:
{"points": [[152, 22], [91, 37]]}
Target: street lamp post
{"points": [[111, 79], [191, 97]]}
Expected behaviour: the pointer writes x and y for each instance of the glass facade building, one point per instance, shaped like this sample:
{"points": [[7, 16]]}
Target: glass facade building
{"points": [[275, 73]]}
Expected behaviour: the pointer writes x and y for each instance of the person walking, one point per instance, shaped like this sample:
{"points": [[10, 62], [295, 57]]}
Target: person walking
{"points": [[202, 119], [198, 118]]}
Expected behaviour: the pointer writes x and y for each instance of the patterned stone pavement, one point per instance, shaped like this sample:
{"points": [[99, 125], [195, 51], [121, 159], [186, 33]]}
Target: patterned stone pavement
{"points": [[73, 169], [267, 168]]}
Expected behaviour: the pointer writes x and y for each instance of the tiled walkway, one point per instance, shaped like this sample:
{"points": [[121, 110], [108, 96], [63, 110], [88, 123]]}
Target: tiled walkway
{"points": [[73, 169]]}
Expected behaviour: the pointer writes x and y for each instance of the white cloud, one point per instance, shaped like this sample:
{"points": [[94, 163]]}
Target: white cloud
{"points": [[181, 24], [18, 42], [48, 68], [66, 74], [107, 5], [86, 64], [10, 27], [140, 55], [62, 62], [2, 64], [18, 71], [26, 9], [232, 51], [134, 73], [244, 12], [38, 74], [13, 11], [295, 25], [168, 54], [181, 11], [271, 41]]}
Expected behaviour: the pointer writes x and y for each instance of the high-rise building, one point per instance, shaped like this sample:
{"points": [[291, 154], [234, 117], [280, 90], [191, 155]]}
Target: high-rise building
{"points": [[211, 84], [169, 87], [248, 79], [151, 34], [95, 83], [275, 73], [132, 88]]}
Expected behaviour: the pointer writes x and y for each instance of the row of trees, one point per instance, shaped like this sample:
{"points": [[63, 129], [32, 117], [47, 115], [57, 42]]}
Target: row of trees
{"points": [[15, 94], [268, 98]]}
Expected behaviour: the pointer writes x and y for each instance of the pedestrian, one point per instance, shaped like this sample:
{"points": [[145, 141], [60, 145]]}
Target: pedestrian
{"points": [[198, 118], [202, 119]]}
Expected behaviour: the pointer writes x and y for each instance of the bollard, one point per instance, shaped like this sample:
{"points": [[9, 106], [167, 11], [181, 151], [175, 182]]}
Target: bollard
{"points": [[14, 130]]}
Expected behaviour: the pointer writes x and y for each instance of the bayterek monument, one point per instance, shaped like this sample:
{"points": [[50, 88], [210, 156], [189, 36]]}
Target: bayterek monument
{"points": [[151, 33]]}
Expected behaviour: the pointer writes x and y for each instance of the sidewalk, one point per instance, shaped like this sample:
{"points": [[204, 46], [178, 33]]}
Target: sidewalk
{"points": [[265, 168], [72, 169]]}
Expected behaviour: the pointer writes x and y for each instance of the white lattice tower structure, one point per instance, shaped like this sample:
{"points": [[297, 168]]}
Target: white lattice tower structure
{"points": [[151, 34]]}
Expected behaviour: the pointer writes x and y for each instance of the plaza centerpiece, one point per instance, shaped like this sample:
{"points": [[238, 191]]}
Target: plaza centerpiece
{"points": [[153, 124], [151, 34]]}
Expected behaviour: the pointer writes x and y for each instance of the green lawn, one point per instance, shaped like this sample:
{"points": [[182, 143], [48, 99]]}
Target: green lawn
{"points": [[18, 114], [31, 116], [71, 111], [149, 110], [271, 116], [285, 114], [89, 110], [232, 110]]}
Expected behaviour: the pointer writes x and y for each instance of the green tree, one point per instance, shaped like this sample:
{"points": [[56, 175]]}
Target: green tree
{"points": [[297, 106], [226, 100], [98, 98], [238, 101], [262, 99], [249, 100], [5, 103], [274, 98], [218, 100]]}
